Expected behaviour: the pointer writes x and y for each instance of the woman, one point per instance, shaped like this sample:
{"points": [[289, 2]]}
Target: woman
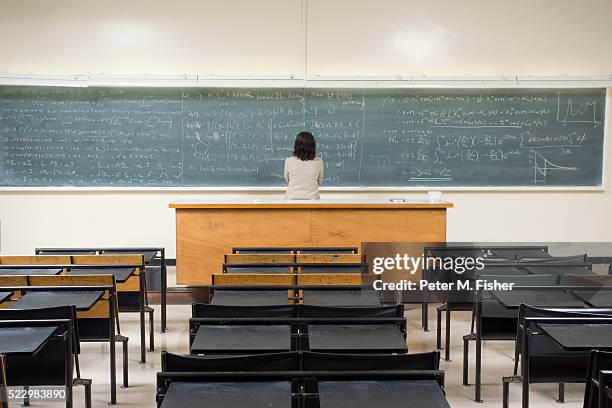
{"points": [[303, 171]]}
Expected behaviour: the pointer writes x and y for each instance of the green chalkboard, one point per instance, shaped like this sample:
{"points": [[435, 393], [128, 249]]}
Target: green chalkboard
{"points": [[216, 137]]}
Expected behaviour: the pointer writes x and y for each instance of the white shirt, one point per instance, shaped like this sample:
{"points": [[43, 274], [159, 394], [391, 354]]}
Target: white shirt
{"points": [[303, 177]]}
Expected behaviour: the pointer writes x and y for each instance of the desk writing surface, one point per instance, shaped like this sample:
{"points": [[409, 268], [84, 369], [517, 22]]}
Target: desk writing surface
{"points": [[580, 337], [259, 269], [373, 338], [513, 253], [595, 297], [560, 270], [383, 394], [341, 298], [23, 271], [147, 255], [121, 274], [249, 297], [331, 269], [242, 338], [5, 295], [83, 300], [24, 340], [308, 204], [262, 394], [496, 270], [513, 299]]}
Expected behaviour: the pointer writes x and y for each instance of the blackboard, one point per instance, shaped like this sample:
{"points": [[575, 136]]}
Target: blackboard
{"points": [[212, 137]]}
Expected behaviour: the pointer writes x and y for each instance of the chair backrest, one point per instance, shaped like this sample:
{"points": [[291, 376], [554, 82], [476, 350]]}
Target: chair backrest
{"points": [[201, 310], [108, 259], [598, 361], [332, 311], [367, 362], [13, 280], [325, 279], [259, 258], [250, 279], [71, 280], [34, 259], [572, 259], [328, 258], [288, 361]]}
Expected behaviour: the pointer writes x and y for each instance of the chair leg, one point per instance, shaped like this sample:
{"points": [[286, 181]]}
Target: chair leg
{"points": [[151, 329], [26, 398], [86, 382], [439, 328], [466, 351], [425, 316], [88, 395], [447, 342], [506, 390], [505, 393], [478, 390], [561, 393], [124, 344]]}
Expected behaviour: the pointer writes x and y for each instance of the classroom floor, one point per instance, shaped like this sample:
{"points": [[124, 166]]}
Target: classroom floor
{"points": [[497, 362]]}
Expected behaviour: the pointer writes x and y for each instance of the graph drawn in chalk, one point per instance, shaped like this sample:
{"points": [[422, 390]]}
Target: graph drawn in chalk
{"points": [[581, 113], [541, 167]]}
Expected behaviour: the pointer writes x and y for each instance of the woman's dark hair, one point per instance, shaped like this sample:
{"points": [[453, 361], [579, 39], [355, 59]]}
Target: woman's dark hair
{"points": [[305, 147]]}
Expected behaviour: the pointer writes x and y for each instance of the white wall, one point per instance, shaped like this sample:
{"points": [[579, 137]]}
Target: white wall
{"points": [[343, 37]]}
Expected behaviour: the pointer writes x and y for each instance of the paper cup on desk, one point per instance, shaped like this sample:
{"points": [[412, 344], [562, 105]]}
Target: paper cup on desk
{"points": [[434, 196]]}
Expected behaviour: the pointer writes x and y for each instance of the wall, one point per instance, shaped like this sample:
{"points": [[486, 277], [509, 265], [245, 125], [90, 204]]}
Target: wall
{"points": [[341, 37]]}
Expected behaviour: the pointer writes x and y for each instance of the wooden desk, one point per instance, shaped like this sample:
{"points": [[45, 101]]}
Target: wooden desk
{"points": [[206, 230]]}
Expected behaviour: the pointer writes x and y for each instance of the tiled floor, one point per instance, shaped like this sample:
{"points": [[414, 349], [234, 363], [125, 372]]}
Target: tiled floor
{"points": [[141, 393]]}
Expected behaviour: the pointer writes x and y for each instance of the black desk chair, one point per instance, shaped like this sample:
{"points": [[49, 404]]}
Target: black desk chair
{"points": [[410, 375], [594, 394], [58, 356], [97, 322], [494, 322], [542, 360]]}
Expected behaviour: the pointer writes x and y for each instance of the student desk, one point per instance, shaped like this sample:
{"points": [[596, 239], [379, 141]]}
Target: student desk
{"points": [[341, 298], [382, 394], [241, 339], [206, 230], [82, 300], [512, 299], [5, 295], [249, 298], [261, 394], [580, 337], [356, 338], [24, 341]]}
